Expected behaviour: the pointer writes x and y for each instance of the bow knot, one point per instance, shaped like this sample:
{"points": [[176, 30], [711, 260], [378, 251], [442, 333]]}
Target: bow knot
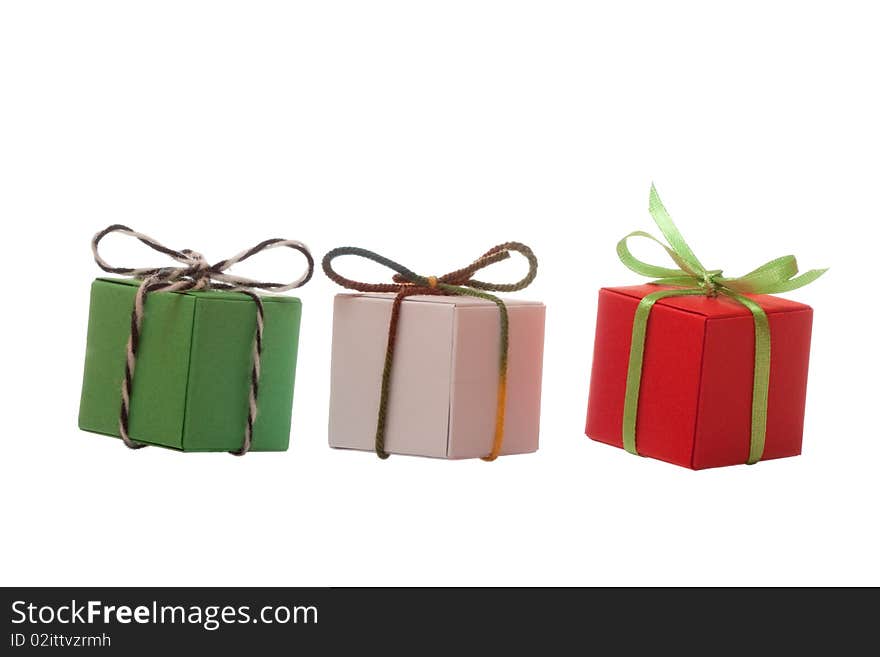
{"points": [[776, 276], [404, 279], [711, 283], [197, 261], [197, 273]]}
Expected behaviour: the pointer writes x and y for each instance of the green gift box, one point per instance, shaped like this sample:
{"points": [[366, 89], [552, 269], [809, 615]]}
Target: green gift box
{"points": [[194, 365]]}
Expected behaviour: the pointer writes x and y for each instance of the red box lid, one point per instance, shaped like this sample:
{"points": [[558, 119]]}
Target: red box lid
{"points": [[713, 307]]}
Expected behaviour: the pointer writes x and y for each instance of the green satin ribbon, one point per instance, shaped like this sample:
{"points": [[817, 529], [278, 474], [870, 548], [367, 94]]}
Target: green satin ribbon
{"points": [[691, 279]]}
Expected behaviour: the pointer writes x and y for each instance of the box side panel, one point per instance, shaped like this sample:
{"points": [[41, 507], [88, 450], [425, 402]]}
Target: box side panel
{"points": [[219, 383], [475, 380], [159, 388], [724, 425], [670, 378], [418, 410]]}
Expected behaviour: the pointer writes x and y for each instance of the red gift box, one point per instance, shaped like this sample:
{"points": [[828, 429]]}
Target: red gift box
{"points": [[695, 400], [698, 368]]}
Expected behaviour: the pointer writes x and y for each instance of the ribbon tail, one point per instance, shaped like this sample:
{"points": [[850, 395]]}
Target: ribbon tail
{"points": [[382, 415], [501, 407], [504, 347], [636, 358], [793, 284], [680, 251], [761, 383]]}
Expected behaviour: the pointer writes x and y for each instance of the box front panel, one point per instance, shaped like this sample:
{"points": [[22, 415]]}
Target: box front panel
{"points": [[670, 377], [475, 380], [223, 337], [159, 390], [724, 428], [418, 409]]}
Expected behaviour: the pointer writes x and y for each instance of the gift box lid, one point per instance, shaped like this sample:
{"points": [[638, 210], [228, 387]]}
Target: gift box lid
{"points": [[211, 294], [450, 300], [711, 307]]}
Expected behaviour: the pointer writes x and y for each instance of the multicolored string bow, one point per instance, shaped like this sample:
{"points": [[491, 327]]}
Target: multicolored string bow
{"points": [[196, 274], [458, 283], [692, 278]]}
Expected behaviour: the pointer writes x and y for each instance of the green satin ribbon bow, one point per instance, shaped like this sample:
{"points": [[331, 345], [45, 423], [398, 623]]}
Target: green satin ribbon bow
{"points": [[692, 278]]}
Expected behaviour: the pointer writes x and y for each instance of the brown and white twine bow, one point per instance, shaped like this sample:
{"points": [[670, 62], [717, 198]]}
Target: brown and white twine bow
{"points": [[196, 273]]}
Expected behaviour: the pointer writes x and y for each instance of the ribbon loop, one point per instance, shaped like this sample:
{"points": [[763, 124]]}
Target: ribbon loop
{"points": [[779, 275], [195, 274], [406, 282], [644, 268], [497, 254], [196, 268], [460, 277]]}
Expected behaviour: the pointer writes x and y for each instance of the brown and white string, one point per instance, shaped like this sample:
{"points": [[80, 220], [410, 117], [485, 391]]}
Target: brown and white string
{"points": [[195, 274]]}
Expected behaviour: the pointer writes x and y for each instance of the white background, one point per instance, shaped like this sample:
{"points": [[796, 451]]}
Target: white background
{"points": [[430, 132]]}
